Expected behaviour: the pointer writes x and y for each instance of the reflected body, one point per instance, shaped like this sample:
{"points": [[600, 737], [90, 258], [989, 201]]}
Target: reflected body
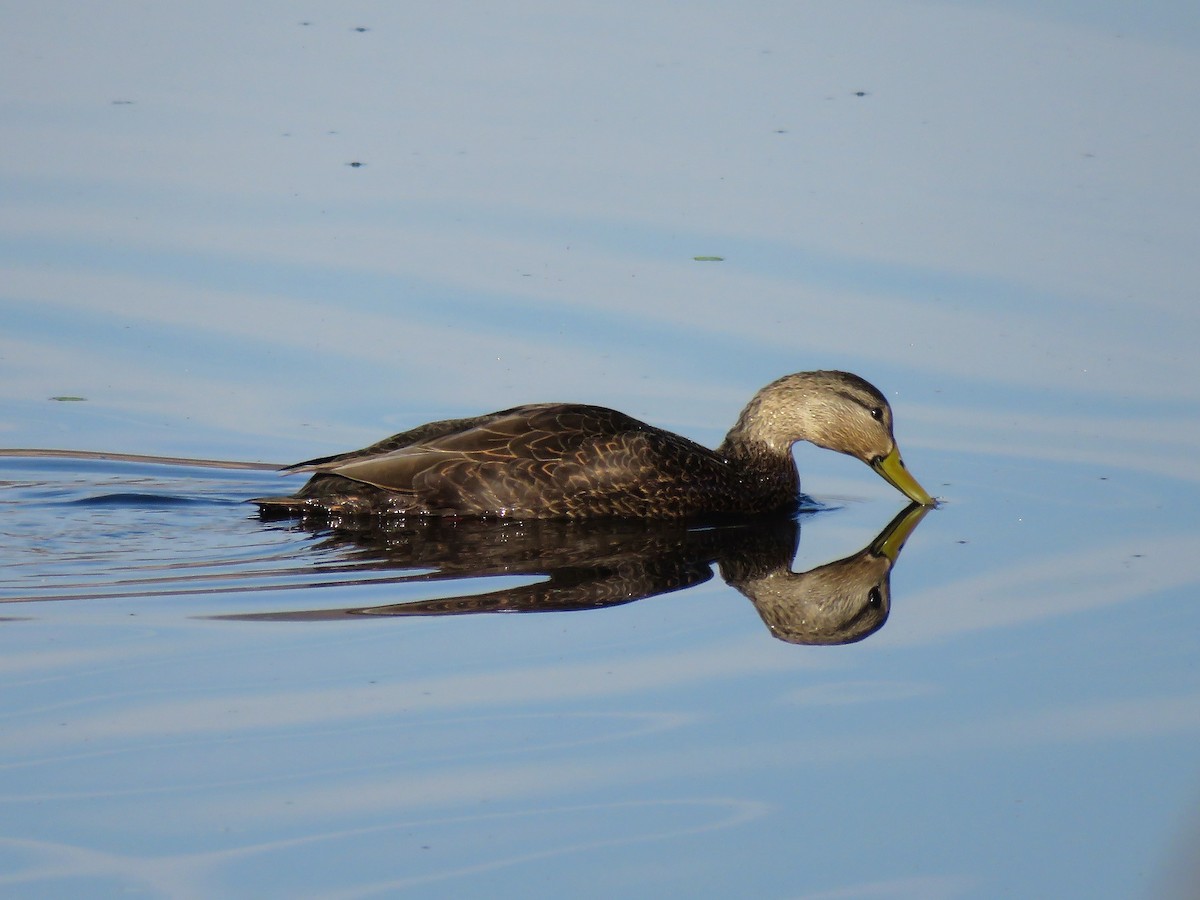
{"points": [[595, 564], [572, 461]]}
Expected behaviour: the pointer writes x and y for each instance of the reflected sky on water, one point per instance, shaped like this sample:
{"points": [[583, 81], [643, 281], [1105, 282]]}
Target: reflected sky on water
{"points": [[986, 209]]}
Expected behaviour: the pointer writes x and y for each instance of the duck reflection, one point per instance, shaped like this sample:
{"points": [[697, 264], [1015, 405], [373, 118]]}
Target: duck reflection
{"points": [[595, 564], [838, 603]]}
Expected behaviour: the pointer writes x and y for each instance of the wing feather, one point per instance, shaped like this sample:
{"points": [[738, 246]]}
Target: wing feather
{"points": [[529, 460]]}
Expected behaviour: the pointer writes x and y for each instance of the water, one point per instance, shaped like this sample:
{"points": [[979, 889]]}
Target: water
{"points": [[987, 210]]}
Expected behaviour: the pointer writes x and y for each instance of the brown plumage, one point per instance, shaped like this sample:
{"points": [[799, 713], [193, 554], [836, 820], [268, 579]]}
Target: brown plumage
{"points": [[572, 461]]}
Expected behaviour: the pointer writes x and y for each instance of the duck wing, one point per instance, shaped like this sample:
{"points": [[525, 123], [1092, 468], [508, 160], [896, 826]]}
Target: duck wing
{"points": [[533, 461], [429, 431]]}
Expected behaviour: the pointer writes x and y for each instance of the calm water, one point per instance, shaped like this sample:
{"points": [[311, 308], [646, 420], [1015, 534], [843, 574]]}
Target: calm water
{"points": [[987, 209]]}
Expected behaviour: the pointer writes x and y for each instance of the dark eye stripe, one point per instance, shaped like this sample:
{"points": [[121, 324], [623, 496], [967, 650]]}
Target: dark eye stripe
{"points": [[874, 406]]}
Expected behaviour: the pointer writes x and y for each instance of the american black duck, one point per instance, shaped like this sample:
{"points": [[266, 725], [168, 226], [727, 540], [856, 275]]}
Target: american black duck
{"points": [[571, 461]]}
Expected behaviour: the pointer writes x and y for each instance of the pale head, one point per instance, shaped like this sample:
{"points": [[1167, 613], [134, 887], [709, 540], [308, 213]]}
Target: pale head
{"points": [[835, 410]]}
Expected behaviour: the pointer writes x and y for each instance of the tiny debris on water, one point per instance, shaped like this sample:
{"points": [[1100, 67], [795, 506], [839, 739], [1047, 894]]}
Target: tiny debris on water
{"points": [[709, 258], [66, 399]]}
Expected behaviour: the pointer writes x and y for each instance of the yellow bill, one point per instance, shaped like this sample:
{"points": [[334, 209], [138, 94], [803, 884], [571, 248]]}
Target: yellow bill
{"points": [[891, 467], [891, 540]]}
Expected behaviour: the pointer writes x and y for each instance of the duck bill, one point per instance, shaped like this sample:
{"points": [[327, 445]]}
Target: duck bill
{"points": [[891, 540], [891, 468]]}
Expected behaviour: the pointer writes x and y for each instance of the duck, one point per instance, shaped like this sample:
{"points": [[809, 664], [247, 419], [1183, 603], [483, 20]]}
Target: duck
{"points": [[578, 461]]}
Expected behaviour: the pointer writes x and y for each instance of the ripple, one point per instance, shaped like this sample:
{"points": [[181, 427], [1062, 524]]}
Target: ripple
{"points": [[79, 529]]}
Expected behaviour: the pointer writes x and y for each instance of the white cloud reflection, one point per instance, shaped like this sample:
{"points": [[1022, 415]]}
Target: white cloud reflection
{"points": [[1160, 446], [1061, 585], [181, 716]]}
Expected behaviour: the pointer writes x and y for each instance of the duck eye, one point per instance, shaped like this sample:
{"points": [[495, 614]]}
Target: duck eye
{"points": [[877, 413], [875, 598]]}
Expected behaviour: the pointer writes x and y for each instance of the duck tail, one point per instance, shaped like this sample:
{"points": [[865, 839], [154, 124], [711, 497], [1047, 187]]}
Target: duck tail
{"points": [[282, 507]]}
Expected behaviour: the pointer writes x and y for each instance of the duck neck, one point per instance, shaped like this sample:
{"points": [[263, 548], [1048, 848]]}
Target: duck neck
{"points": [[768, 425], [762, 468]]}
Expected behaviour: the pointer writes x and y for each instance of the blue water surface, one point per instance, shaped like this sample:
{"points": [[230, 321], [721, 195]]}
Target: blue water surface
{"points": [[986, 209]]}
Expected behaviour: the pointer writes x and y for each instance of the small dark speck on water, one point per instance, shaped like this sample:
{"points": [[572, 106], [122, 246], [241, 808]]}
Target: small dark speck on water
{"points": [[360, 29], [860, 93], [68, 399], [356, 164], [709, 258], [122, 103]]}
